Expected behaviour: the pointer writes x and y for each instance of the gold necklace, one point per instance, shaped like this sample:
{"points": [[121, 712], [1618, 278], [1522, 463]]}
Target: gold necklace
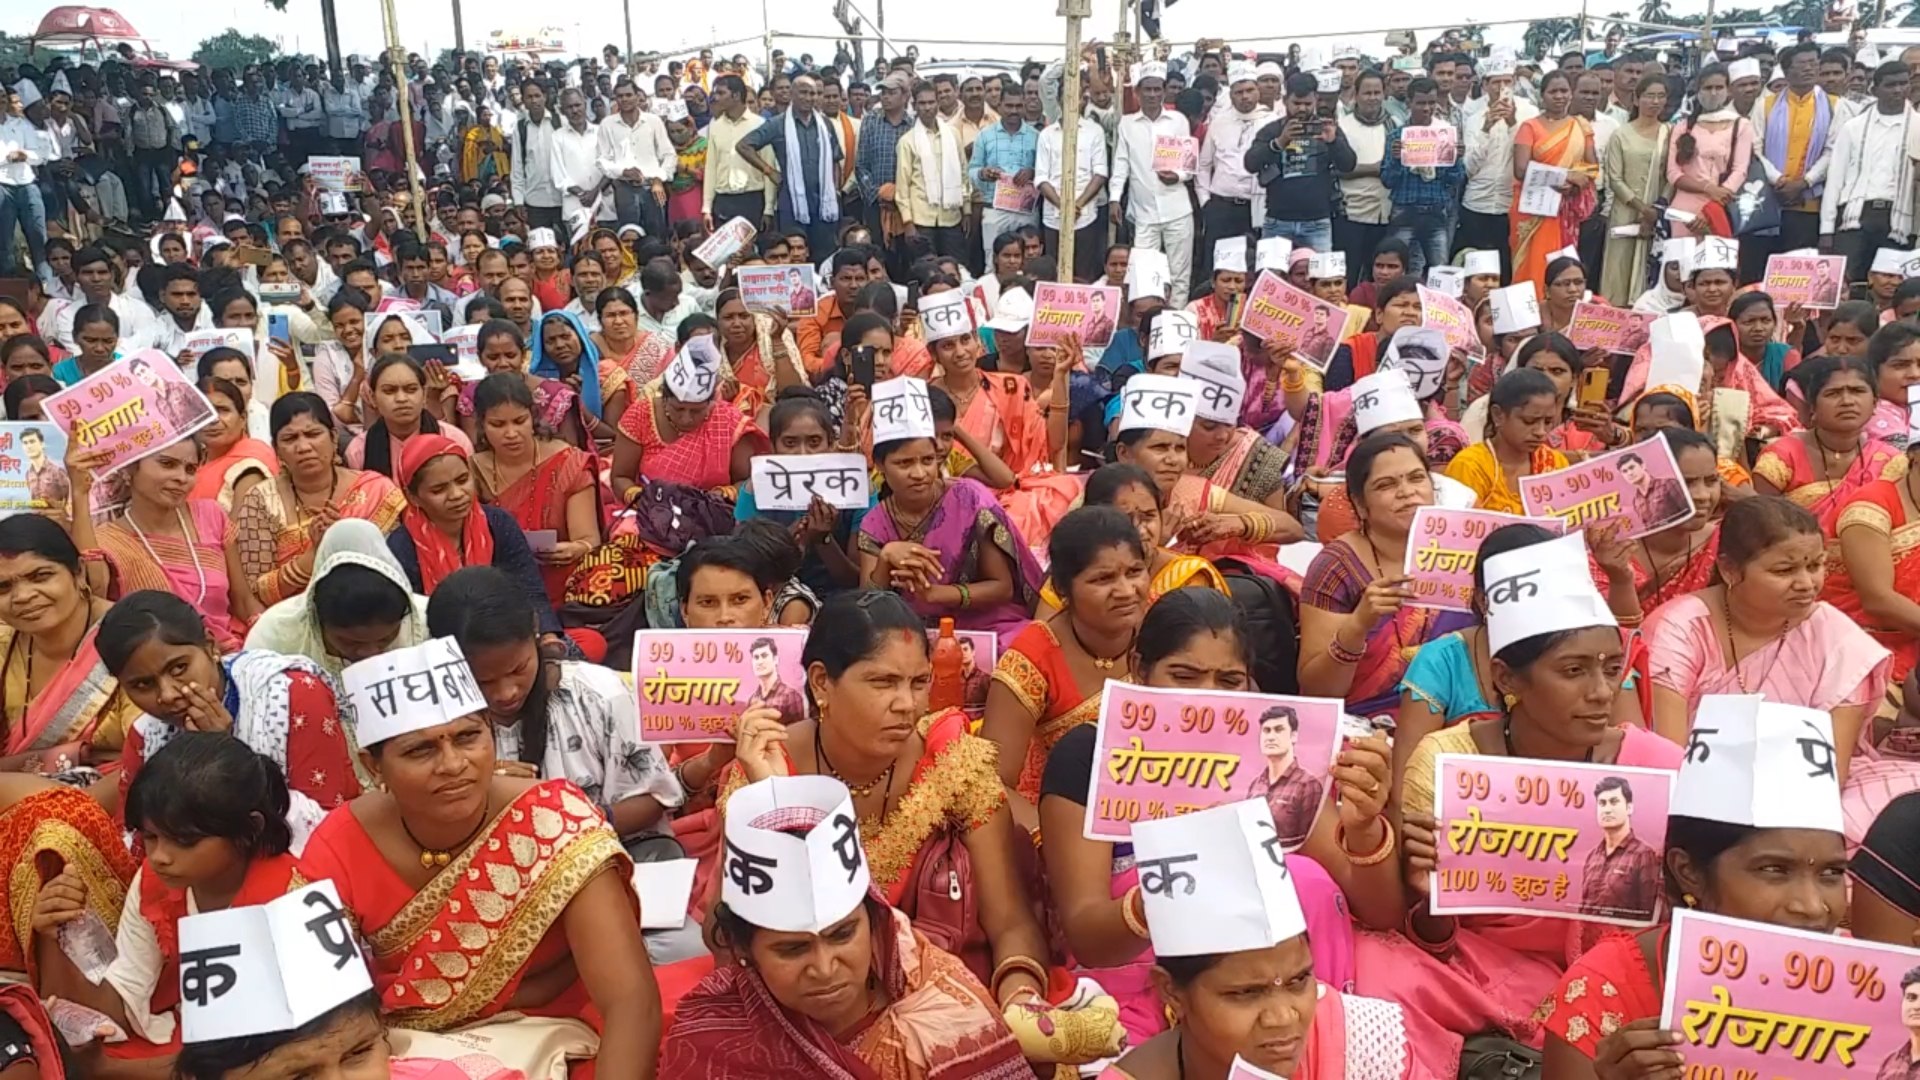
{"points": [[434, 859]]}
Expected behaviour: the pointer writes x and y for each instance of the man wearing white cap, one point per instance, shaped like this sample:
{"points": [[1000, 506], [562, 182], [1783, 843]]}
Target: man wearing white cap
{"points": [[1488, 194], [1796, 129], [1227, 190], [1155, 202], [1869, 201]]}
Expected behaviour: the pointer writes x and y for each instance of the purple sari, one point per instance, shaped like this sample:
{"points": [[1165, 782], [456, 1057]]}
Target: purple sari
{"points": [[966, 517]]}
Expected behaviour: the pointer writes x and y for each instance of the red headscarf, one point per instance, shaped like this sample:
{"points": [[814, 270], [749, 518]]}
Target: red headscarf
{"points": [[436, 552]]}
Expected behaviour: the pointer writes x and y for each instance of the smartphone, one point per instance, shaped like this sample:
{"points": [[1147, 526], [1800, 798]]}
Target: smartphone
{"points": [[1593, 385], [913, 297], [428, 354], [277, 330], [863, 359], [252, 256]]}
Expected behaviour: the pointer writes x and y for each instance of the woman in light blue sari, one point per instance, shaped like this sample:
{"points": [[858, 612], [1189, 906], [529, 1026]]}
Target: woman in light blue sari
{"points": [[564, 350]]}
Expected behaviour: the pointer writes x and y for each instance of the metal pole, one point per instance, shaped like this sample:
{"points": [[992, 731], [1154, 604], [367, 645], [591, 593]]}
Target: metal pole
{"points": [[396, 56], [766, 40], [626, 13], [1706, 28], [459, 32], [330, 29], [1069, 186]]}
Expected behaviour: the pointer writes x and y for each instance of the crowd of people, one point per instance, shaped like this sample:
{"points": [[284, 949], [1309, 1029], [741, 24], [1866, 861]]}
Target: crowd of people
{"points": [[366, 635]]}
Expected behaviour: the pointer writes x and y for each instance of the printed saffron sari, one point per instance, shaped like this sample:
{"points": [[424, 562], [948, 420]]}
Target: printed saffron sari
{"points": [[70, 825], [1034, 668], [1690, 573], [1792, 470], [1250, 466], [274, 534], [1605, 990], [81, 708], [1878, 508], [1334, 583], [1535, 239], [966, 517], [455, 951], [938, 1023], [216, 478]]}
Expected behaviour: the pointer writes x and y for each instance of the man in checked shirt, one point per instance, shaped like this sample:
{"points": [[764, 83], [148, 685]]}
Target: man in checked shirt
{"points": [[1623, 879], [1293, 794]]}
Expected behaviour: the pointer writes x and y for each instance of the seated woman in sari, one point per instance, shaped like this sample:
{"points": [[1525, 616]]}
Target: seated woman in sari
{"points": [[563, 350], [235, 460], [849, 989], [1451, 678], [1762, 343], [58, 831], [1754, 860], [212, 817], [1128, 489], [1559, 675], [1876, 578], [679, 430], [759, 350], [1580, 431], [946, 543], [1666, 407], [543, 482], [1560, 139], [1522, 409], [1193, 640], [1050, 676], [279, 524], [1221, 448], [406, 406], [1357, 632], [168, 666], [799, 424], [1820, 466], [999, 415], [446, 527], [482, 892], [556, 405], [640, 353], [1239, 974], [162, 540], [65, 711], [1737, 385], [1766, 631], [1893, 355], [1684, 558], [1390, 407], [946, 801]]}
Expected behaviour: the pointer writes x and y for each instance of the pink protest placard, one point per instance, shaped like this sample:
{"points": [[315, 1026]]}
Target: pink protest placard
{"points": [[1176, 153], [1814, 281], [792, 289], [1443, 547], [1159, 753], [133, 407], [1309, 324], [979, 652], [1451, 318], [1061, 311], [693, 684], [1639, 485], [1602, 326], [1428, 147], [1016, 198], [1561, 839], [1750, 999]]}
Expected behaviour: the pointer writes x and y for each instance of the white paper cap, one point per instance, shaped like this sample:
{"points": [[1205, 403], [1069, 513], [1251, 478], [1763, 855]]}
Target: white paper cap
{"points": [[694, 373], [1744, 68], [1240, 71], [1222, 385], [1714, 253], [1761, 763], [1216, 881], [1451, 280], [1894, 261], [673, 110], [901, 410], [1230, 255], [945, 315], [1161, 402], [1149, 70], [1541, 588], [1498, 67], [1148, 274], [1568, 252], [1779, 75], [1678, 348], [265, 968], [1420, 354], [408, 690], [1326, 264], [1269, 68], [1014, 312], [793, 860], [1272, 254], [1913, 415], [1516, 308], [1383, 398], [1172, 332], [1327, 81], [541, 238]]}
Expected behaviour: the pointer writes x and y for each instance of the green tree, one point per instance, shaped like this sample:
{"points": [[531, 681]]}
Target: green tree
{"points": [[13, 50], [232, 49], [1545, 36], [1655, 11]]}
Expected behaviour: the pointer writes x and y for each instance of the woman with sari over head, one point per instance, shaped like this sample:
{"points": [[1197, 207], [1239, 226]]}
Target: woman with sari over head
{"points": [[1130, 490], [235, 460], [1749, 405], [1558, 661], [1386, 404], [1238, 973], [49, 829], [1357, 632], [279, 524], [640, 353], [544, 483], [555, 404], [679, 430], [1893, 354], [407, 404], [1522, 411], [212, 818], [1194, 640], [161, 539], [1684, 558], [1766, 631], [1874, 577], [1820, 466], [1050, 676], [62, 708], [359, 605], [614, 255], [1221, 448], [842, 989], [483, 150], [760, 352], [563, 350], [1558, 139], [483, 893], [684, 190], [1777, 858], [927, 794]]}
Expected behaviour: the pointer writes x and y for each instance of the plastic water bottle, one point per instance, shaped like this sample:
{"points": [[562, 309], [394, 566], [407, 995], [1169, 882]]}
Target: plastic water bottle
{"points": [[949, 686]]}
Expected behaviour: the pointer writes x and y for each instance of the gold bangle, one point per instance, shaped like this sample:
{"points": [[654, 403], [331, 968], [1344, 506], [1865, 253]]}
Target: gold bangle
{"points": [[1014, 965], [1293, 382], [1135, 923], [1372, 858]]}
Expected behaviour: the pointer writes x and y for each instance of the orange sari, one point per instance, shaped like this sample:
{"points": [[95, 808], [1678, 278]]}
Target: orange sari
{"points": [[1535, 239], [71, 826], [538, 501]]}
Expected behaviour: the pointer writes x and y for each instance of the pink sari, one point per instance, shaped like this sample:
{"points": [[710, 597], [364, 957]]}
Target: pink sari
{"points": [[702, 458], [1767, 408]]}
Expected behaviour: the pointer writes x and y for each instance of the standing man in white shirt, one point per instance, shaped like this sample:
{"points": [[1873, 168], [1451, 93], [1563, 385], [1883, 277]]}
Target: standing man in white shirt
{"points": [[575, 158], [1155, 202], [346, 107], [1227, 190], [198, 107], [531, 150], [23, 148], [1489, 191], [1089, 182], [638, 157], [1869, 197]]}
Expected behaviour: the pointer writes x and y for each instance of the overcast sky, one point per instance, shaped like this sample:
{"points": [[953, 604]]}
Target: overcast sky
{"points": [[429, 23]]}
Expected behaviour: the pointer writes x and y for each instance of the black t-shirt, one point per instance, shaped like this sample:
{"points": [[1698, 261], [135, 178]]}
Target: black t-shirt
{"points": [[15, 1046], [1070, 765]]}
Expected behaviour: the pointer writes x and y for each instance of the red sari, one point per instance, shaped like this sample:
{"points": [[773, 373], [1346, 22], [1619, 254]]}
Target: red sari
{"points": [[70, 825], [1877, 507], [1607, 988], [538, 501], [1692, 574]]}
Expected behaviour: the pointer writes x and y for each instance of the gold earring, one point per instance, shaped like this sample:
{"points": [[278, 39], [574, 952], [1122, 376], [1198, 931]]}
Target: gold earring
{"points": [[1510, 700], [1687, 899]]}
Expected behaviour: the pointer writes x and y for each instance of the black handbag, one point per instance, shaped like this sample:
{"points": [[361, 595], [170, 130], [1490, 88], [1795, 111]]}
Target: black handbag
{"points": [[1496, 1057]]}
